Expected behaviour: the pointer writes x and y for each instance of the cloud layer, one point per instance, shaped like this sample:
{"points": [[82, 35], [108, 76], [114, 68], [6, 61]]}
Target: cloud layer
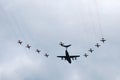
{"points": [[43, 24]]}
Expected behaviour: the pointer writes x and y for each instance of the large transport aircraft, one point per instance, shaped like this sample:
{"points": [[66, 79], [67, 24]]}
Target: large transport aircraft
{"points": [[68, 57]]}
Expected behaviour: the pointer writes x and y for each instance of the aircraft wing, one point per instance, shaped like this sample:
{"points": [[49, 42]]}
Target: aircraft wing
{"points": [[62, 57], [74, 57]]}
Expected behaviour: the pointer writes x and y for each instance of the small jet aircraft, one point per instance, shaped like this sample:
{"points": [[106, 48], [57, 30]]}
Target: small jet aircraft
{"points": [[97, 45], [91, 50], [46, 55], [103, 40], [86, 55], [38, 51], [68, 57], [20, 42], [28, 46], [63, 45]]}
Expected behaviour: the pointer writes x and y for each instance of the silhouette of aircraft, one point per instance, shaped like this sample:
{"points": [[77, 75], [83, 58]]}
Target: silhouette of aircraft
{"points": [[86, 55], [46, 55], [103, 40], [37, 50], [68, 57], [63, 45], [28, 46], [20, 42], [97, 45], [90, 50]]}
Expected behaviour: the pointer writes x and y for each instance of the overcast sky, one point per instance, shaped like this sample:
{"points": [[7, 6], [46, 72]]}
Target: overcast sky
{"points": [[45, 23]]}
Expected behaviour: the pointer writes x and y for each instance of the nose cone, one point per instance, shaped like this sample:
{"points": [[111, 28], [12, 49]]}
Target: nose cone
{"points": [[70, 61]]}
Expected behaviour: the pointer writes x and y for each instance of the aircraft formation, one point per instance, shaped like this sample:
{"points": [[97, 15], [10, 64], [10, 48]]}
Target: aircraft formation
{"points": [[29, 47], [96, 45], [66, 57]]}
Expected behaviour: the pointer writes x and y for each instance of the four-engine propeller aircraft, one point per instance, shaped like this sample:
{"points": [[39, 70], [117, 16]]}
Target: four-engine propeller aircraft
{"points": [[68, 57], [97, 45]]}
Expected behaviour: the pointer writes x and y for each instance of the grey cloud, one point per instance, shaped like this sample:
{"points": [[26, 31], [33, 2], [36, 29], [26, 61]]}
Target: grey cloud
{"points": [[43, 24]]}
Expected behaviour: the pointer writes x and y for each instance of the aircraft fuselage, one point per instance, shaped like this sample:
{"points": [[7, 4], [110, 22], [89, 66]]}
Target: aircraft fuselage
{"points": [[67, 56]]}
